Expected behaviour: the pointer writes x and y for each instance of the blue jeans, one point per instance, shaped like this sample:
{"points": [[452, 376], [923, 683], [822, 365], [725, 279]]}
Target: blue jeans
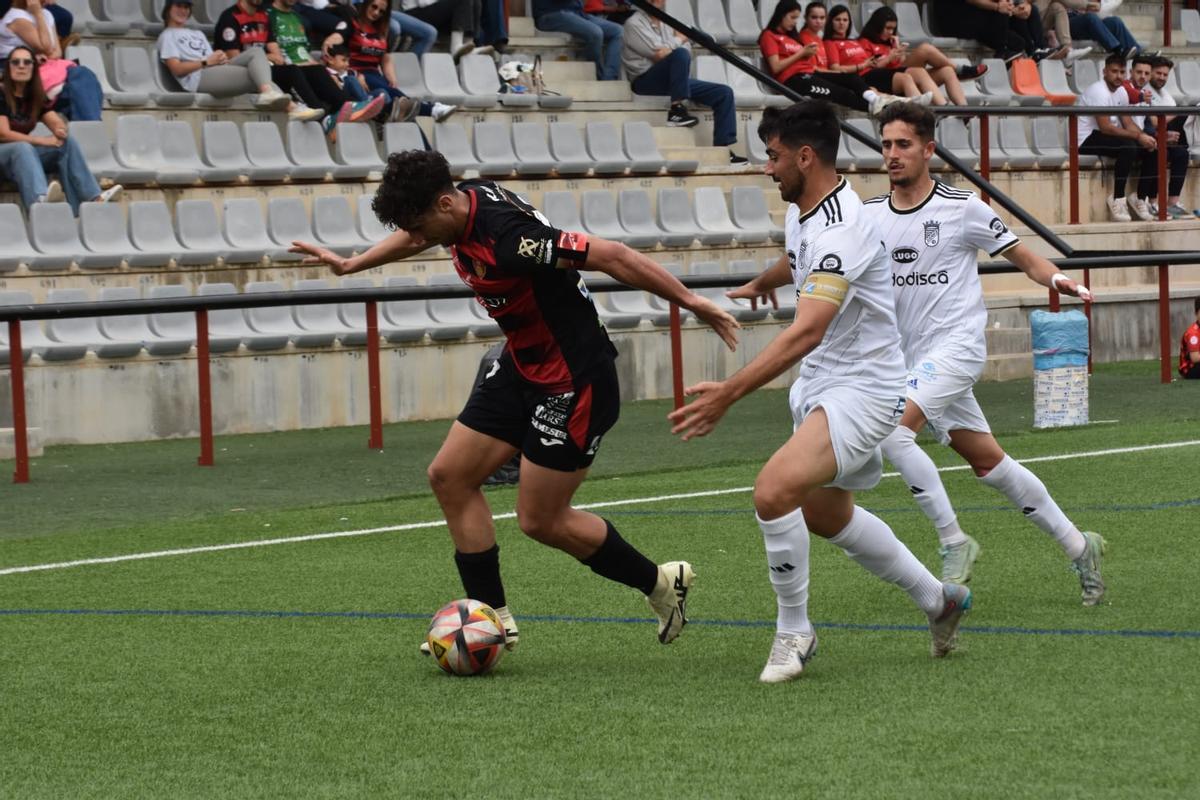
{"points": [[423, 34], [81, 97], [27, 165], [1110, 32], [671, 76], [602, 39], [493, 28], [377, 83]]}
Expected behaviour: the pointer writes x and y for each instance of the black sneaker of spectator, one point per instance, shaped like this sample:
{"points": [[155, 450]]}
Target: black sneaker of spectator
{"points": [[678, 117], [971, 72], [1009, 56], [1042, 53], [734, 158]]}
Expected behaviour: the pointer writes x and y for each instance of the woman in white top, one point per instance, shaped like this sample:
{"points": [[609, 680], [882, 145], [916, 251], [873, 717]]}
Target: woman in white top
{"points": [[28, 24]]}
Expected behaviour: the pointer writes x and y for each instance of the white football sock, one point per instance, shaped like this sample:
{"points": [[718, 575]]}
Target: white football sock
{"points": [[870, 95], [1028, 493], [456, 41], [869, 541], [786, 539], [919, 472]]}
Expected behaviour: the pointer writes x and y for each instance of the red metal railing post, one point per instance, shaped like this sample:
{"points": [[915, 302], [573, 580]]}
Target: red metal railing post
{"points": [[676, 356], [1161, 139], [1087, 312], [1073, 166], [204, 380], [17, 378], [985, 152], [1164, 322], [1166, 23], [1055, 302], [375, 441]]}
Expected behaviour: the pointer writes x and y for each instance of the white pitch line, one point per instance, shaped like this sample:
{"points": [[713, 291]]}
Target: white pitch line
{"points": [[185, 551]]}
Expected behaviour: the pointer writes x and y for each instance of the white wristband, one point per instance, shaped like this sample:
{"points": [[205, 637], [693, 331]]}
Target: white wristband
{"points": [[1058, 276]]}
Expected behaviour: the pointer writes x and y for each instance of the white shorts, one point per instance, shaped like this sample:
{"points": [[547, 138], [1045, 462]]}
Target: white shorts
{"points": [[946, 397], [858, 422]]}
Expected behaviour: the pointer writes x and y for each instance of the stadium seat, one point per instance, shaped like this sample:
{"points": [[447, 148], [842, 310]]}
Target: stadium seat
{"points": [[562, 210], [179, 150], [568, 148], [103, 230], [751, 217], [975, 96], [101, 24], [33, 338], [712, 215], [401, 136], [611, 318], [598, 211], [662, 309], [89, 56], [287, 222], [226, 326], [265, 150], [1047, 141], [403, 321], [369, 226], [136, 327], [637, 218], [454, 315], [785, 296], [743, 22], [17, 250], [994, 83], [861, 156], [675, 216], [738, 308], [55, 235], [1054, 81], [169, 88], [641, 147], [748, 266], [98, 152], [479, 80], [138, 146], [273, 326], [997, 158], [354, 315], [953, 135], [1083, 74], [710, 18], [1189, 21], [1027, 86], [533, 152], [764, 15], [355, 147], [409, 78], [493, 147], [1188, 75], [333, 225], [130, 13], [908, 20], [746, 93], [132, 72], [317, 325], [87, 22], [756, 149], [604, 147], [199, 233], [245, 229], [1010, 133], [306, 146], [627, 304], [175, 326], [85, 331], [865, 10], [442, 80], [450, 139], [152, 231], [222, 148]]}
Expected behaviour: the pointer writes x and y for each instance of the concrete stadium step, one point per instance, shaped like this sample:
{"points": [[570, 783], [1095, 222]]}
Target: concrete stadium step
{"points": [[33, 438], [1008, 341], [1008, 367]]}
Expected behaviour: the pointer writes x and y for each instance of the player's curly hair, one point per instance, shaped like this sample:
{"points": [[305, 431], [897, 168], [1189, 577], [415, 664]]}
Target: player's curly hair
{"points": [[809, 122], [412, 181], [919, 117]]}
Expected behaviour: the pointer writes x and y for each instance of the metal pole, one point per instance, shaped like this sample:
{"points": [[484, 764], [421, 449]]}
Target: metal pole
{"points": [[1055, 303], [676, 356], [205, 383], [1161, 139], [375, 441], [1073, 166], [1164, 322], [17, 377], [985, 154], [1166, 23], [1087, 312]]}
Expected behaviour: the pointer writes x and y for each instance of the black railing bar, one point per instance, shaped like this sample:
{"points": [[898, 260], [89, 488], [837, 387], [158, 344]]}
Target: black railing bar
{"points": [[1068, 111]]}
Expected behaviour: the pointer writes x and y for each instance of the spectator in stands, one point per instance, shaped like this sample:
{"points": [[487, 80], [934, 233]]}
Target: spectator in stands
{"points": [[420, 35], [925, 64], [1057, 24], [611, 11], [851, 56], [601, 37], [659, 61], [1110, 32], [1189, 349], [492, 33], [64, 20], [985, 21], [457, 18], [1110, 136], [797, 59], [322, 18], [1026, 22], [1148, 79], [367, 43], [73, 91], [25, 158]]}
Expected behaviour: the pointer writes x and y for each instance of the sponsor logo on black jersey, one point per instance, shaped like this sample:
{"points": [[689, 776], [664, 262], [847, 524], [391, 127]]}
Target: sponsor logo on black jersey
{"points": [[921, 278], [905, 255]]}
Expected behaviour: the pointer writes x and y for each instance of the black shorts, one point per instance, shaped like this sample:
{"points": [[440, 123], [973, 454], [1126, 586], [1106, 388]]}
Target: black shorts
{"points": [[556, 431], [880, 79]]}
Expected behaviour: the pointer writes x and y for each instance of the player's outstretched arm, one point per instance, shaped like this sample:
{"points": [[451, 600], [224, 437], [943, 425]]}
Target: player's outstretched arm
{"points": [[1042, 271], [761, 287], [713, 399], [395, 247], [634, 269]]}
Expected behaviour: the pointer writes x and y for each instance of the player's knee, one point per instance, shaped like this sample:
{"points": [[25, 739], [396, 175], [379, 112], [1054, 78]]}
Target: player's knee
{"points": [[442, 480], [538, 525], [773, 499]]}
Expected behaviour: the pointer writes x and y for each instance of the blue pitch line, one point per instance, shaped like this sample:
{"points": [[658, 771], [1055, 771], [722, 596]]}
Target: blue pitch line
{"points": [[1166, 505], [725, 623]]}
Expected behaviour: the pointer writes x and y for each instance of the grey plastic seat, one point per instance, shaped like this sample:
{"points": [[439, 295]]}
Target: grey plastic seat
{"points": [[782, 294], [102, 24], [354, 315], [287, 220], [1188, 75], [710, 17], [533, 152], [610, 317], [317, 325], [494, 149], [33, 338], [599, 215], [136, 327], [179, 325], [227, 327], [743, 22], [139, 147], [995, 83], [631, 304], [273, 326], [307, 147], [861, 156], [245, 229], [222, 148], [562, 210], [997, 156], [567, 146], [86, 21], [953, 135], [85, 331], [751, 217], [129, 11], [480, 83], [333, 224], [89, 56], [409, 78], [179, 150], [712, 215], [134, 72], [909, 20], [1085, 72], [1054, 77], [1047, 141], [450, 139], [453, 316], [676, 218], [152, 231], [756, 149], [401, 136], [643, 151], [604, 147], [662, 308], [264, 148], [637, 218], [103, 230], [98, 152], [369, 227], [1189, 21], [738, 308], [199, 233], [975, 96], [55, 235], [441, 78], [1013, 141], [403, 321], [17, 249], [749, 93], [355, 147]]}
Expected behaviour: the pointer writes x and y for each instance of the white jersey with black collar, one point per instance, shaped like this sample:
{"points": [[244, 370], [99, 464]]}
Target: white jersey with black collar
{"points": [[862, 341], [933, 249]]}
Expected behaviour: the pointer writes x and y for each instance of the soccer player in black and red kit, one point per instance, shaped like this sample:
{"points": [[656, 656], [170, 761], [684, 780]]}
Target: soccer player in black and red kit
{"points": [[551, 396]]}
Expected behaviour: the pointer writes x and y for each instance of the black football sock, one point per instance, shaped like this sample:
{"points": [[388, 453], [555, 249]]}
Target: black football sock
{"points": [[620, 561], [480, 573]]}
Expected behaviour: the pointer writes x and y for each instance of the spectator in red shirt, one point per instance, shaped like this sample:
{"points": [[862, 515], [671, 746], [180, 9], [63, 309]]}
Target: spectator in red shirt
{"points": [[613, 11], [881, 72], [1189, 349], [925, 64], [796, 58]]}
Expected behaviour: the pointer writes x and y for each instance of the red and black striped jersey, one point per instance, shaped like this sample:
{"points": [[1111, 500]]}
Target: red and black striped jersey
{"points": [[237, 30], [524, 273]]}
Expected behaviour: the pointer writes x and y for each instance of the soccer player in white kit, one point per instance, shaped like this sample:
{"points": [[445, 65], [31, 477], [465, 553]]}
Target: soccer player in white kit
{"points": [[933, 234], [848, 398]]}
